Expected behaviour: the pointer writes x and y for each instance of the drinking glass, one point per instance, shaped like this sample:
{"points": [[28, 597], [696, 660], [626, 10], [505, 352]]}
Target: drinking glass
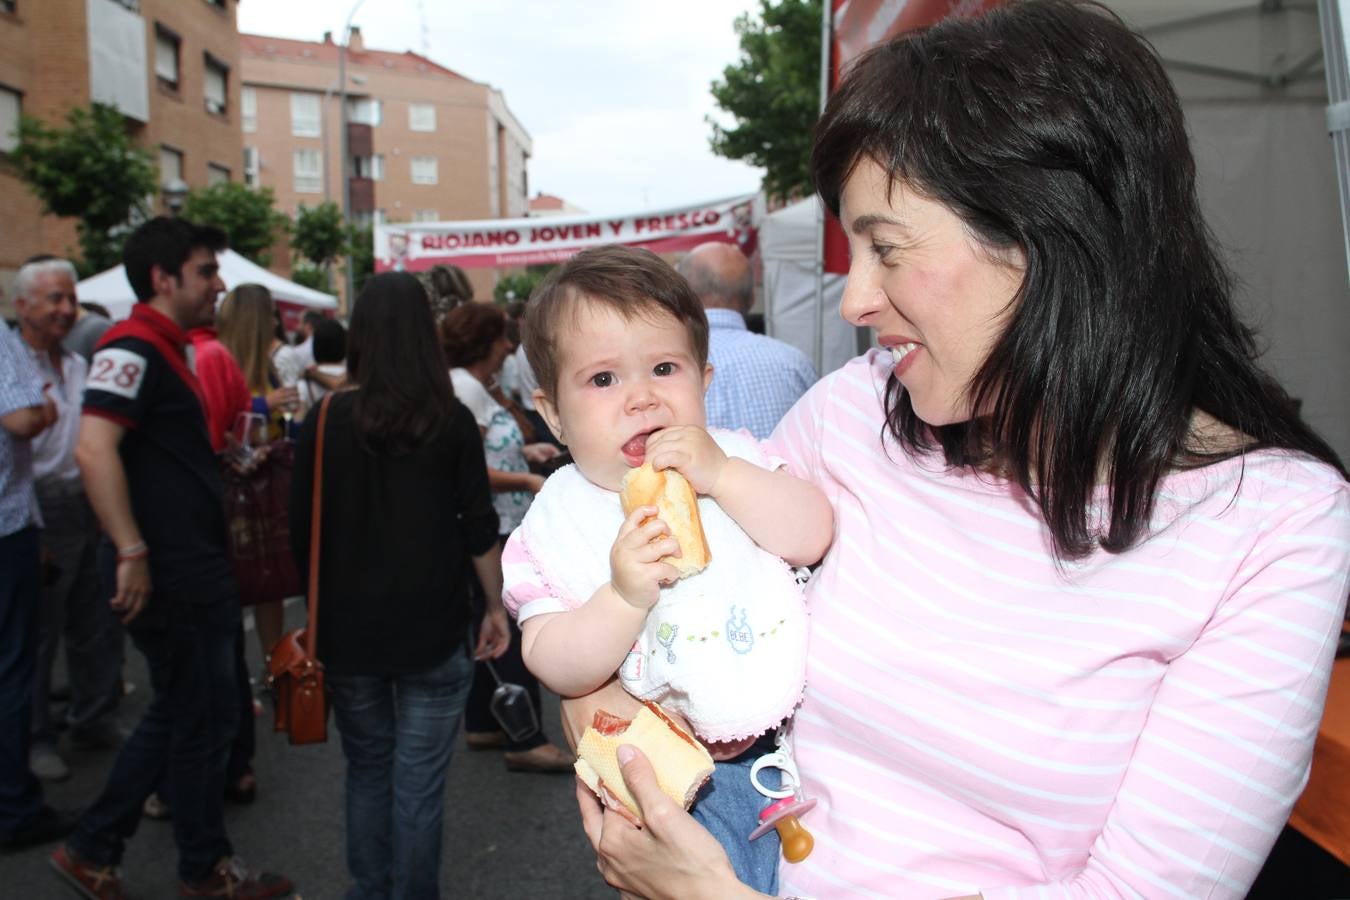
{"points": [[511, 707]]}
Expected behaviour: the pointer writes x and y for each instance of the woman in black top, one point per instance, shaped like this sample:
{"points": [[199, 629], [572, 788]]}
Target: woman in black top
{"points": [[406, 508]]}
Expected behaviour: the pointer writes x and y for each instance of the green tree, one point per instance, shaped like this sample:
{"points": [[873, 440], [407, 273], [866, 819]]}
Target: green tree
{"points": [[519, 286], [320, 236], [90, 170], [247, 216], [360, 256], [773, 93], [310, 276]]}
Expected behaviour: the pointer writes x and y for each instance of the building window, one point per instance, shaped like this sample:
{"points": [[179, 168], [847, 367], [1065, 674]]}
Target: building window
{"points": [[217, 84], [421, 117], [166, 57], [425, 215], [11, 105], [364, 110], [423, 170], [252, 167], [216, 174], [308, 172], [248, 109], [306, 118], [371, 167], [170, 164], [369, 218]]}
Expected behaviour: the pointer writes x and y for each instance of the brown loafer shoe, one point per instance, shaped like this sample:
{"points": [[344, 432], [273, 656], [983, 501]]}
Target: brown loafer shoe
{"points": [[232, 879], [90, 881], [544, 758], [485, 740]]}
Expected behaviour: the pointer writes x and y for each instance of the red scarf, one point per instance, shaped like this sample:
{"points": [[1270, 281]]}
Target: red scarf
{"points": [[159, 331]]}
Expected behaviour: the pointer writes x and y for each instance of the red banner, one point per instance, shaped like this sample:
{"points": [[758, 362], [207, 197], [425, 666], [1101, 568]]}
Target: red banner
{"points": [[508, 243]]}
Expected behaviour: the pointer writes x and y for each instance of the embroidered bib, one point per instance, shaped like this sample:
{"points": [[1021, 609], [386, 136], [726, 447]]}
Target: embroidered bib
{"points": [[726, 648]]}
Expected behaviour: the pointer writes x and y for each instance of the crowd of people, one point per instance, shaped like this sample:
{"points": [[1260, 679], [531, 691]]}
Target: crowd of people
{"points": [[161, 485], [1078, 564]]}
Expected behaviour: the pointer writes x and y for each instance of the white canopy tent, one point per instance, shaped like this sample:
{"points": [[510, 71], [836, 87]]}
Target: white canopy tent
{"points": [[787, 246], [1253, 84], [111, 288]]}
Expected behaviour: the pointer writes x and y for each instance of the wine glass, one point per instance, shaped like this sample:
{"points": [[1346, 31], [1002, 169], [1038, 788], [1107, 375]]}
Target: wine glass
{"points": [[288, 409], [249, 432]]}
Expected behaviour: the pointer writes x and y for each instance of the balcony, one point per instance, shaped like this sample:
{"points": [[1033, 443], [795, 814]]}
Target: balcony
{"points": [[362, 194], [360, 139]]}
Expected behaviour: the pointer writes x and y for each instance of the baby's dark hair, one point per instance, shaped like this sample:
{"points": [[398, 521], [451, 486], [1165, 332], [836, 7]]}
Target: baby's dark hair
{"points": [[631, 281]]}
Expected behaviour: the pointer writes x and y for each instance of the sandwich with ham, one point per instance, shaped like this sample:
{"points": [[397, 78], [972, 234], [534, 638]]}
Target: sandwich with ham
{"points": [[681, 763]]}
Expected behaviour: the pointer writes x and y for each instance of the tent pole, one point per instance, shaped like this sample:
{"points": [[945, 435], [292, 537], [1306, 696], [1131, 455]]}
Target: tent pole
{"points": [[826, 32], [1335, 50]]}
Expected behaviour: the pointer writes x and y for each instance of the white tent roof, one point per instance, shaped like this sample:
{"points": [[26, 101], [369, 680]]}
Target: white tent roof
{"points": [[112, 289]]}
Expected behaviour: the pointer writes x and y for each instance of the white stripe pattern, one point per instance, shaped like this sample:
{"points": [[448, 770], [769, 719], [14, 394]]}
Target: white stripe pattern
{"points": [[978, 720]]}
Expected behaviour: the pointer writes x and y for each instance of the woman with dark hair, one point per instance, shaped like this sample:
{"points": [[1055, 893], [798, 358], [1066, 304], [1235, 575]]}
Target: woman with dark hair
{"points": [[475, 341], [406, 512], [1074, 634]]}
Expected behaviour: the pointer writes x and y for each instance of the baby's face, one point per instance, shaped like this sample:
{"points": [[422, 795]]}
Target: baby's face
{"points": [[618, 381]]}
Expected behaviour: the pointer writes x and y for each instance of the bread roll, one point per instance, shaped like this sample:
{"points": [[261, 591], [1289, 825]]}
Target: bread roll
{"points": [[681, 763], [677, 506]]}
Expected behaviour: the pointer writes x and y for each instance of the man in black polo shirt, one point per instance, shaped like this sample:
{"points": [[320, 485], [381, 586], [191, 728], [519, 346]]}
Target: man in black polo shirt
{"points": [[151, 476]]}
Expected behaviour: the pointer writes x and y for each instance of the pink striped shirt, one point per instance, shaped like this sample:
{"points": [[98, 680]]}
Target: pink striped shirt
{"points": [[977, 721]]}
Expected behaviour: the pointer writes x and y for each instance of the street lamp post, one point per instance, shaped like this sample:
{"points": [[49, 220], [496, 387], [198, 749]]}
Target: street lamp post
{"points": [[327, 101], [346, 150]]}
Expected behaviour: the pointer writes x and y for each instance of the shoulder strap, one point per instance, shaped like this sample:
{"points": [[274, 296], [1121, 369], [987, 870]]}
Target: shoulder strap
{"points": [[316, 529]]}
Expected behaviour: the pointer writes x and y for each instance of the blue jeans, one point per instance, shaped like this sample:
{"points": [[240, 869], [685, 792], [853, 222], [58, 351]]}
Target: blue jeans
{"points": [[20, 588], [729, 808], [397, 734], [184, 739]]}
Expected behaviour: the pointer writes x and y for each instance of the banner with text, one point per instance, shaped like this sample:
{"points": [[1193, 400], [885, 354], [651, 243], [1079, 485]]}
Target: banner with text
{"points": [[505, 243]]}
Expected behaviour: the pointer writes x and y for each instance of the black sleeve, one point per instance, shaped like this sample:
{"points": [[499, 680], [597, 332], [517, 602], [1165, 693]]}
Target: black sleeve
{"points": [[302, 492], [472, 496], [122, 381]]}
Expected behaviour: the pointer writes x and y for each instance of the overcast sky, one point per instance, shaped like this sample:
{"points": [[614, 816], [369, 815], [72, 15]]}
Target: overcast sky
{"points": [[613, 92]]}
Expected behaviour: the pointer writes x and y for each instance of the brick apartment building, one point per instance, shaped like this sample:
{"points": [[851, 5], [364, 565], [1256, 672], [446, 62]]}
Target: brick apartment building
{"points": [[170, 66], [425, 143]]}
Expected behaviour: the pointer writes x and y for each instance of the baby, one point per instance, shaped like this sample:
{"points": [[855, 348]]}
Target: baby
{"points": [[619, 343]]}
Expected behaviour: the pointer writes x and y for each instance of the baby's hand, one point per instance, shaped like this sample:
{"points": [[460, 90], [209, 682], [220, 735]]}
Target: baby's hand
{"points": [[691, 451], [635, 568]]}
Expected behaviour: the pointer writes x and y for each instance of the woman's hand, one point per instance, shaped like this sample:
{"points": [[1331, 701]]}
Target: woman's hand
{"points": [[671, 856], [691, 451], [283, 398], [538, 454], [635, 569], [493, 635]]}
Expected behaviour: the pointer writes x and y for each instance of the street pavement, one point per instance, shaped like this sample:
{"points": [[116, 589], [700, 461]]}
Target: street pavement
{"points": [[506, 835]]}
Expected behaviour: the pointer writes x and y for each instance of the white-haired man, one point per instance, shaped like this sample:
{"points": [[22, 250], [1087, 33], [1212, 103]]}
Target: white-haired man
{"points": [[46, 304]]}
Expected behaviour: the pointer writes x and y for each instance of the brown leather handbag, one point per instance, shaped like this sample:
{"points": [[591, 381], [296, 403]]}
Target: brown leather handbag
{"points": [[296, 675]]}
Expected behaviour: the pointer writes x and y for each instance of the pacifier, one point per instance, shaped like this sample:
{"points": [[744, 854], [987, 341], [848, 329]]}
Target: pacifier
{"points": [[782, 816]]}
